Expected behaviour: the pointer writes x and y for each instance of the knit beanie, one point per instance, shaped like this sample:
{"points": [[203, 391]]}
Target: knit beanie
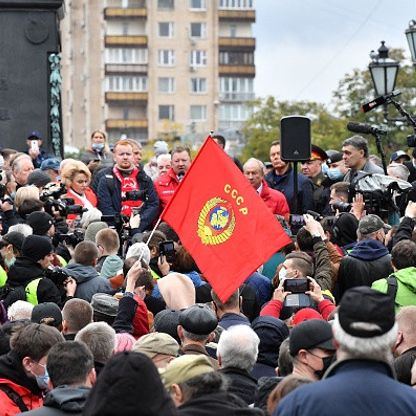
{"points": [[36, 247], [38, 178], [40, 222], [111, 267], [93, 229]]}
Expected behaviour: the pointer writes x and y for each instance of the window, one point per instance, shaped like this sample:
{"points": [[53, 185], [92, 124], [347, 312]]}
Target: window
{"points": [[233, 30], [232, 88], [198, 112], [198, 30], [197, 4], [167, 112], [198, 85], [126, 56], [166, 29], [126, 83], [166, 57], [198, 58], [166, 85], [235, 4], [236, 58], [165, 4], [234, 112]]}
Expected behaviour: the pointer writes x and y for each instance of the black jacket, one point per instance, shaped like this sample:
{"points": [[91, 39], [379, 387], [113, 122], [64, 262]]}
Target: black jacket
{"points": [[62, 401], [242, 384]]}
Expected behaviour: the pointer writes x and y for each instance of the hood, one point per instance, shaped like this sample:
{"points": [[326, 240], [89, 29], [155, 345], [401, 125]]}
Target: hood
{"points": [[23, 271], [81, 273], [68, 399], [368, 250], [407, 277]]}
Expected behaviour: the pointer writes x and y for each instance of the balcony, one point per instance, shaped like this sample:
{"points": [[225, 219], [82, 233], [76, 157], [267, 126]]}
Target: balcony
{"points": [[125, 69], [126, 124], [237, 70], [237, 15], [240, 43], [133, 40], [236, 96], [118, 97]]}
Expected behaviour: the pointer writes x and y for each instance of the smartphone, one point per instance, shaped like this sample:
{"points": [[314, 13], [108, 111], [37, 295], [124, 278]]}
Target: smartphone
{"points": [[300, 285], [167, 249], [34, 145]]}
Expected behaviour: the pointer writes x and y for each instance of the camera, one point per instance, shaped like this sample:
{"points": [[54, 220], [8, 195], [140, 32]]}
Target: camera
{"points": [[72, 239], [53, 201], [411, 140], [57, 275], [342, 206], [167, 249], [134, 196]]}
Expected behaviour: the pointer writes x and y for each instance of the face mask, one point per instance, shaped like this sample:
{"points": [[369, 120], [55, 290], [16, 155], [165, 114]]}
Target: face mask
{"points": [[327, 361], [9, 263], [42, 381], [282, 273], [12, 195], [98, 147], [325, 169], [334, 174]]}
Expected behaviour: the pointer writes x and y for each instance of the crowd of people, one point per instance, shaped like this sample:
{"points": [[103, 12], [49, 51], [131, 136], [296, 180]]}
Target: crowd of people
{"points": [[104, 312]]}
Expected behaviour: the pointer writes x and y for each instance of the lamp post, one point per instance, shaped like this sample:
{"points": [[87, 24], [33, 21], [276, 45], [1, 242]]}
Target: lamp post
{"points": [[410, 33]]}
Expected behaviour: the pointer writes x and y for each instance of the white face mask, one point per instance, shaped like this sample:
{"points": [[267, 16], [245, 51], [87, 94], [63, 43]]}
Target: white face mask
{"points": [[282, 273]]}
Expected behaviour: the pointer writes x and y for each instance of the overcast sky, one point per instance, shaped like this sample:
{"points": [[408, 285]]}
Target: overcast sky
{"points": [[304, 47]]}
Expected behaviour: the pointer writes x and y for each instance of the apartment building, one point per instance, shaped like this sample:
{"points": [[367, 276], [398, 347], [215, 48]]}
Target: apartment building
{"points": [[157, 68]]}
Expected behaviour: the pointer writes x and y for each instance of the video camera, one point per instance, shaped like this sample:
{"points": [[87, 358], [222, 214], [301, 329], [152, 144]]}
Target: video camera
{"points": [[135, 196], [72, 239]]}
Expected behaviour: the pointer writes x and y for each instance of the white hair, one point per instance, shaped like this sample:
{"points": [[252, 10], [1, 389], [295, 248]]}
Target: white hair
{"points": [[24, 229], [398, 170], [140, 250], [375, 348], [19, 310], [93, 214], [163, 156], [238, 347]]}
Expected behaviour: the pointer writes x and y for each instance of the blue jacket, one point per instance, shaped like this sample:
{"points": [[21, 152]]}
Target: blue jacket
{"points": [[284, 183], [109, 200], [352, 387], [262, 285]]}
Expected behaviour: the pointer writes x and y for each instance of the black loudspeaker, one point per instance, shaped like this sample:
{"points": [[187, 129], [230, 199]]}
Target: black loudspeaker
{"points": [[295, 143]]}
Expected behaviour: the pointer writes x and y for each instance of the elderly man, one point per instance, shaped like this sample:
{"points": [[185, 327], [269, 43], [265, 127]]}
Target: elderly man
{"points": [[253, 170], [362, 380], [166, 184], [281, 179], [164, 163], [22, 167], [355, 155]]}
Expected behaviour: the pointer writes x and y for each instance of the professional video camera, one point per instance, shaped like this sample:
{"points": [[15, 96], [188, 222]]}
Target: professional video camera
{"points": [[72, 239], [53, 201], [135, 196], [57, 275]]}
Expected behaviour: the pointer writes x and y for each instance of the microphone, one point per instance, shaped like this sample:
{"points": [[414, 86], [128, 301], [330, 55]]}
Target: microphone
{"points": [[383, 99], [365, 129]]}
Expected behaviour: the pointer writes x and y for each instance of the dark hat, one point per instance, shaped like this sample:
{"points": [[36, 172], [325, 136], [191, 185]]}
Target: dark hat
{"points": [[14, 238], [104, 304], [40, 222], [310, 334], [43, 312], [38, 178], [198, 319], [167, 321], [51, 163], [398, 155], [333, 156], [365, 312], [370, 224], [34, 135], [317, 153], [36, 247]]}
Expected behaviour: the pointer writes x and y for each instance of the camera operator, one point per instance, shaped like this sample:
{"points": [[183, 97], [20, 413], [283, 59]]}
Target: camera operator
{"points": [[127, 187], [411, 165]]}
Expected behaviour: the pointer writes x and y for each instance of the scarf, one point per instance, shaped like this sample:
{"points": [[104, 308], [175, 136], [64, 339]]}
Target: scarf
{"points": [[128, 183]]}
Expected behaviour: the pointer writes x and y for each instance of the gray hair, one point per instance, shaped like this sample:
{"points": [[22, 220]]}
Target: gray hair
{"points": [[17, 162], [254, 160], [375, 348], [100, 339], [358, 142], [19, 310], [93, 214], [398, 170], [24, 229], [163, 157], [238, 347]]}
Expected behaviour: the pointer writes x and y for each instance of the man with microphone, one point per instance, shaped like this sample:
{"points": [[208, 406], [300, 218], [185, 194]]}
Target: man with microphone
{"points": [[355, 155]]}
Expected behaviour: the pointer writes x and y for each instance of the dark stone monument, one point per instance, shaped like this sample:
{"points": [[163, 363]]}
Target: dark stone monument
{"points": [[29, 73]]}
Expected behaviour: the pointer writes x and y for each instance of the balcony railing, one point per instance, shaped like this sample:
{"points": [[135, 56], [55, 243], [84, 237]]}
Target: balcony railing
{"points": [[137, 40], [126, 96], [229, 42], [244, 15], [126, 4], [125, 68], [246, 70], [126, 124], [236, 96]]}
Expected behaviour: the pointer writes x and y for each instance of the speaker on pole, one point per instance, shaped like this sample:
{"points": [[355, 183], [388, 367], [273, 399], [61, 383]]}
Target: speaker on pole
{"points": [[295, 142]]}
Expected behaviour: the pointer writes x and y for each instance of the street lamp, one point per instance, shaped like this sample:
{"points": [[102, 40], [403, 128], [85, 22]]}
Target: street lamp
{"points": [[411, 39], [383, 70]]}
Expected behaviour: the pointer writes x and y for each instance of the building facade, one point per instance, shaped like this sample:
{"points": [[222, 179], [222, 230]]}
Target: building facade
{"points": [[156, 69]]}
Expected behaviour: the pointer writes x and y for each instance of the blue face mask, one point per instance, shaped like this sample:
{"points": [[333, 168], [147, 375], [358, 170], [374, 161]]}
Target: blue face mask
{"points": [[325, 169], [334, 174], [98, 147], [9, 263], [42, 381]]}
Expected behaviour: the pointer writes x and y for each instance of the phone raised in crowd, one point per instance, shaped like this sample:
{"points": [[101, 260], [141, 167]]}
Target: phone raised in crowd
{"points": [[34, 145], [167, 249], [300, 285]]}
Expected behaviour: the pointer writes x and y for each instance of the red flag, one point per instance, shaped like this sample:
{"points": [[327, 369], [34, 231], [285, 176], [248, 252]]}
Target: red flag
{"points": [[222, 221]]}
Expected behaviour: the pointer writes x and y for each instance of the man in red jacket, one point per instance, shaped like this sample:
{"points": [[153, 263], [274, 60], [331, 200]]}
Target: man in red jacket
{"points": [[167, 183], [23, 374], [275, 200]]}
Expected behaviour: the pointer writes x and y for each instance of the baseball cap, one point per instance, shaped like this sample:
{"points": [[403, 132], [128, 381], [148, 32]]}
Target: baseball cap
{"points": [[399, 154], [370, 224], [34, 135], [52, 163], [365, 312], [47, 313], [333, 156], [313, 333], [14, 238], [156, 343]]}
